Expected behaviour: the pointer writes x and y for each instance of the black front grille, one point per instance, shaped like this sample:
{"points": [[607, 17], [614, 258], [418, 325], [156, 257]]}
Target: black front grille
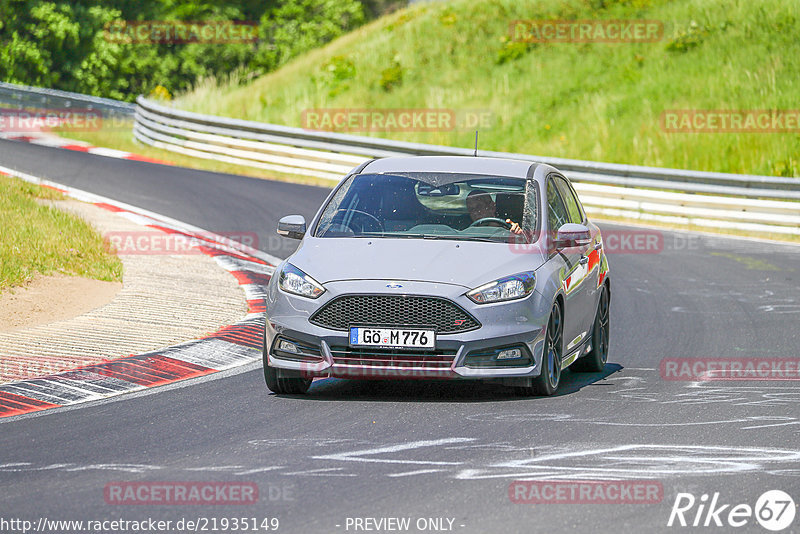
{"points": [[444, 316]]}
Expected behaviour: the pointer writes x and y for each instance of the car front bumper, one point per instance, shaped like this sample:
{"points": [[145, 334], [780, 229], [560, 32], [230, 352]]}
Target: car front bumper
{"points": [[471, 354]]}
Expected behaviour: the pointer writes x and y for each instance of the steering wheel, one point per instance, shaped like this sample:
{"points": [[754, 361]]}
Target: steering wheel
{"points": [[487, 220], [373, 221]]}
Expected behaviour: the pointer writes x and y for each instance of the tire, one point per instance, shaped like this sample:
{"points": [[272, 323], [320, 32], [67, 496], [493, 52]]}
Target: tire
{"points": [[547, 382], [595, 361], [284, 381]]}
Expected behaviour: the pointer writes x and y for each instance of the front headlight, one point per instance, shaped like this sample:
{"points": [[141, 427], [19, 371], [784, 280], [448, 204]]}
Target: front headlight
{"points": [[509, 288], [293, 280]]}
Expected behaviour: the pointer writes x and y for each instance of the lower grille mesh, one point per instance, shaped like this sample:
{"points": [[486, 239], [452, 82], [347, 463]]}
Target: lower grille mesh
{"points": [[433, 360]]}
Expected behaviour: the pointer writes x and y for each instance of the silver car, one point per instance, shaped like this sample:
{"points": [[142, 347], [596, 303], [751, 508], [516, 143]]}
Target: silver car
{"points": [[441, 268]]}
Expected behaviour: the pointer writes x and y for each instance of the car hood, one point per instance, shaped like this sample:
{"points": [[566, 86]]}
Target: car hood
{"points": [[465, 263]]}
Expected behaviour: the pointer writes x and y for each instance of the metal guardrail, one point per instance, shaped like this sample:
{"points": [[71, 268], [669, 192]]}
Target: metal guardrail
{"points": [[25, 96], [763, 204]]}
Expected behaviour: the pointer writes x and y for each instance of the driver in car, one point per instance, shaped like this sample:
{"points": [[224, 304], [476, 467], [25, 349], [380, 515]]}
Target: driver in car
{"points": [[480, 206]]}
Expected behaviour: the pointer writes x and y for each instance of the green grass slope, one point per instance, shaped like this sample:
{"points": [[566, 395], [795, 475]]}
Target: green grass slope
{"points": [[43, 239], [595, 101]]}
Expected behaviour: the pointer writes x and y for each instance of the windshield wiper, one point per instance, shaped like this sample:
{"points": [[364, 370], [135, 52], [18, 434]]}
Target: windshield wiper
{"points": [[424, 236], [404, 236], [452, 237], [433, 236], [478, 238]]}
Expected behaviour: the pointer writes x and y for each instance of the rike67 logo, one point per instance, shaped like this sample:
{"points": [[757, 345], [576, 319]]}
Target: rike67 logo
{"points": [[774, 510]]}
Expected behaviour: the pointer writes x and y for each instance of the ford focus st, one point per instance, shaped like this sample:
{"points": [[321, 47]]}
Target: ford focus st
{"points": [[438, 268]]}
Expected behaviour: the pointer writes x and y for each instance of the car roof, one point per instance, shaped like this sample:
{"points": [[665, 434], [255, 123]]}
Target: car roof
{"points": [[456, 164]]}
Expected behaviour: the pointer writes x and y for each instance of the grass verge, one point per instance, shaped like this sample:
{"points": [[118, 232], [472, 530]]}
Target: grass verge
{"points": [[593, 101], [41, 239]]}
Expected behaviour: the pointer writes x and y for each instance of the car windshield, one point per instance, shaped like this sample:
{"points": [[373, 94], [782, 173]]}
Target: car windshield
{"points": [[431, 206]]}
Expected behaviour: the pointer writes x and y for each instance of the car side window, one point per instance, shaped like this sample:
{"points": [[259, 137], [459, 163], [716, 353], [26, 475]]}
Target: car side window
{"points": [[556, 212], [578, 200], [573, 207]]}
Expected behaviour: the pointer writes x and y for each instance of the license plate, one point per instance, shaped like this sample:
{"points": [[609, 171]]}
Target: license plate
{"points": [[392, 337]]}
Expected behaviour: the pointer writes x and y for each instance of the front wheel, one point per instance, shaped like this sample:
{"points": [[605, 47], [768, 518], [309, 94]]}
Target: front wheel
{"points": [[284, 381], [550, 376], [595, 361]]}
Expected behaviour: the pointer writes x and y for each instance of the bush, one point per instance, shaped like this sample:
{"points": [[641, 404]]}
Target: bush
{"points": [[62, 44], [392, 76], [296, 26], [693, 36], [511, 50], [337, 73]]}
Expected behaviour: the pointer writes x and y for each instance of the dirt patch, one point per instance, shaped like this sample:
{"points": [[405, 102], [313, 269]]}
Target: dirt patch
{"points": [[52, 298]]}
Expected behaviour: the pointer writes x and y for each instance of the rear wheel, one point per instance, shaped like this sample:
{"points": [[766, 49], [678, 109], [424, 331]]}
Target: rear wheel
{"points": [[596, 360], [285, 381], [549, 378]]}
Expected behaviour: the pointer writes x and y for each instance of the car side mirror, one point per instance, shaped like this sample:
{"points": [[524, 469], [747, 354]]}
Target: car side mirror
{"points": [[572, 235], [292, 226]]}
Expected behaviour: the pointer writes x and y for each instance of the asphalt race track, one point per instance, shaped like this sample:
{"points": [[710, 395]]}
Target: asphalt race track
{"points": [[446, 450]]}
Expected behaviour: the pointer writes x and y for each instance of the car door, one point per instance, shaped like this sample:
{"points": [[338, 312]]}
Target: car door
{"points": [[567, 263], [583, 278]]}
